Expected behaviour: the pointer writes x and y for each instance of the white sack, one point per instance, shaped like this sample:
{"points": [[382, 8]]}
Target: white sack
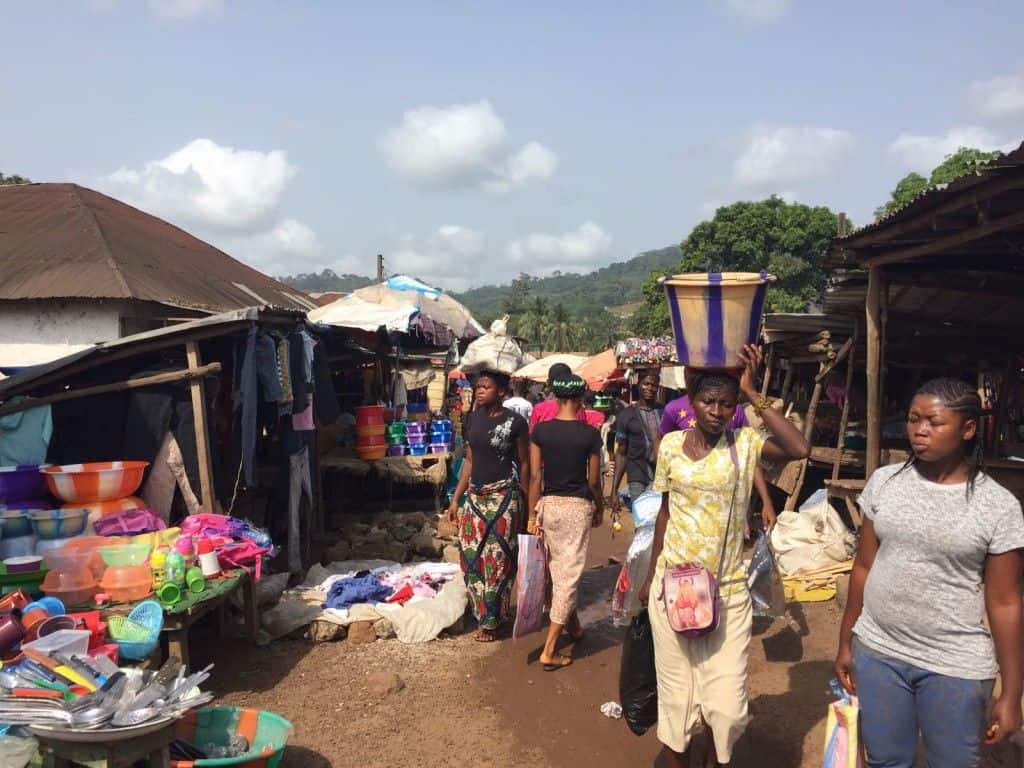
{"points": [[815, 537]]}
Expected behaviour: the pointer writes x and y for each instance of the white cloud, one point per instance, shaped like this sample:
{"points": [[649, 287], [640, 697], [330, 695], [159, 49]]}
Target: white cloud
{"points": [[757, 11], [229, 197], [183, 10], [579, 251], [1000, 97], [775, 155], [210, 185], [451, 257], [462, 147], [922, 153]]}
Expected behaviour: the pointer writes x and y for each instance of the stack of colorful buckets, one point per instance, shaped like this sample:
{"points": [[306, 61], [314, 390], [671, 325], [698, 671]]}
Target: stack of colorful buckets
{"points": [[370, 441], [396, 438]]}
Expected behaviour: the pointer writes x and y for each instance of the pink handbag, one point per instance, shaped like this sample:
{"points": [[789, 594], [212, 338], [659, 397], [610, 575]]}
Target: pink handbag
{"points": [[689, 592]]}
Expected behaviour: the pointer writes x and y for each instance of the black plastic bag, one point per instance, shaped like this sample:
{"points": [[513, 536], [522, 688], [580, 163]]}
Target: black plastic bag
{"points": [[638, 682], [764, 581]]}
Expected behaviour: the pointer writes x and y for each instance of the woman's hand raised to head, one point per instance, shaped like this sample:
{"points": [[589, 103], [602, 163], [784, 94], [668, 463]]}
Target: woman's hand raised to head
{"points": [[751, 356]]}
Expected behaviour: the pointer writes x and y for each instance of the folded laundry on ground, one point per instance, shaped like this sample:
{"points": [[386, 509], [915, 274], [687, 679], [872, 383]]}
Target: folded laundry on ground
{"points": [[346, 592]]}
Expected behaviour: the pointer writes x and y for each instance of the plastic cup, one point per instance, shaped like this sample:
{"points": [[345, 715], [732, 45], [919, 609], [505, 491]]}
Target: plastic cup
{"points": [[195, 580], [169, 593]]}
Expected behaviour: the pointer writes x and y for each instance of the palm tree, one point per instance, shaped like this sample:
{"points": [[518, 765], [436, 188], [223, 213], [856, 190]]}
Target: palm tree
{"points": [[562, 332], [533, 324]]}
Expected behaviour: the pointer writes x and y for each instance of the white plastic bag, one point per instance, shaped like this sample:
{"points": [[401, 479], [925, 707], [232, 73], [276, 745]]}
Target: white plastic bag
{"points": [[495, 351], [815, 537]]}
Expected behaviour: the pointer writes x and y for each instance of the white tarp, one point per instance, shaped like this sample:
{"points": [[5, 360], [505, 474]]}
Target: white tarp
{"points": [[395, 304]]}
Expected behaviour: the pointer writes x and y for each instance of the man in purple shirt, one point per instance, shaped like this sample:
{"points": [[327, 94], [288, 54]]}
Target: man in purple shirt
{"points": [[679, 415]]}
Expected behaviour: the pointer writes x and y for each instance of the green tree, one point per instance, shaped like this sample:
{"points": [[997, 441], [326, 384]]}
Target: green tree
{"points": [[789, 240], [965, 160], [15, 179], [562, 332], [533, 323], [599, 329], [515, 300]]}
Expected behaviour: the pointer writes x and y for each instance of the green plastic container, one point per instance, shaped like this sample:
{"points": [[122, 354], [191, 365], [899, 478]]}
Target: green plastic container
{"points": [[266, 732]]}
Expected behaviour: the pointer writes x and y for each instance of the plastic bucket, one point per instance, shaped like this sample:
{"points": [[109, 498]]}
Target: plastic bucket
{"points": [[418, 450], [266, 733], [370, 416], [714, 314]]}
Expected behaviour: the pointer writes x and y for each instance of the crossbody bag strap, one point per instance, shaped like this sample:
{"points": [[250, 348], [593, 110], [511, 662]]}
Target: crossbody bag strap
{"points": [[730, 438]]}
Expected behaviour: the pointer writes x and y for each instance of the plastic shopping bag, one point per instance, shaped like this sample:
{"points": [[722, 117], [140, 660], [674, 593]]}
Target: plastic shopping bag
{"points": [[765, 582], [842, 742], [531, 585], [638, 681]]}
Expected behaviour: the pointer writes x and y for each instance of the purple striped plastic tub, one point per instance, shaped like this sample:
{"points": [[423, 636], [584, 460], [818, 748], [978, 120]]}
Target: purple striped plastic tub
{"points": [[22, 483], [396, 450]]}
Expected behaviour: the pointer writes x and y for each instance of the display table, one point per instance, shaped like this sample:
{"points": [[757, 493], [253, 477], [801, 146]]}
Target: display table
{"points": [[848, 491], [431, 469], [118, 753], [180, 617]]}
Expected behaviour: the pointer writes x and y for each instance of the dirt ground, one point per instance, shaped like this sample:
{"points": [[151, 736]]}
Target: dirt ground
{"points": [[465, 703]]}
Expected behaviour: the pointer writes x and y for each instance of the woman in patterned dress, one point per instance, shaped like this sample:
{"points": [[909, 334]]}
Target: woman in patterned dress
{"points": [[705, 475], [495, 470]]}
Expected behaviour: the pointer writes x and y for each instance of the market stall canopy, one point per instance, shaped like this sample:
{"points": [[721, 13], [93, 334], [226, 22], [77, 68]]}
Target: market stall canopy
{"points": [[63, 241], [404, 305], [538, 369], [600, 370]]}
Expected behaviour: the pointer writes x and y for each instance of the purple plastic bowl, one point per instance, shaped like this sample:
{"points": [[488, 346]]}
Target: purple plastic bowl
{"points": [[22, 483], [396, 450]]}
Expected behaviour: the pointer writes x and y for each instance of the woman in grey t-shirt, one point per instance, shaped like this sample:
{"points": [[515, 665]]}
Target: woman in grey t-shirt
{"points": [[913, 645]]}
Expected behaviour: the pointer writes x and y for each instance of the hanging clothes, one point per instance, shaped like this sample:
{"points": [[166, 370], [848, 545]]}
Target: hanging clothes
{"points": [[297, 369], [326, 398], [25, 435], [267, 370], [284, 369], [246, 403], [298, 484]]}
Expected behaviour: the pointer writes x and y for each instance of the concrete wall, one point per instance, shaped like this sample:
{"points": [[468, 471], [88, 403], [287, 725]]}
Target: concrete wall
{"points": [[33, 332]]}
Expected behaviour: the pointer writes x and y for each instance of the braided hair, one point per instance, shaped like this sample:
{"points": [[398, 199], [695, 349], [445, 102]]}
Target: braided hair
{"points": [[698, 381], [961, 397]]}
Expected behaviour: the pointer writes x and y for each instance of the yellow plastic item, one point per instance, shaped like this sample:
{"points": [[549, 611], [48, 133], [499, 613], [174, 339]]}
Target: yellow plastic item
{"points": [[69, 674], [165, 538], [805, 592]]}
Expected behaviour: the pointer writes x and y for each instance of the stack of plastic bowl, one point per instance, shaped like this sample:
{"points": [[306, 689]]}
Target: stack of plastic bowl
{"points": [[70, 578], [101, 487], [396, 432], [370, 442], [417, 436], [128, 578], [441, 436], [56, 527], [22, 489]]}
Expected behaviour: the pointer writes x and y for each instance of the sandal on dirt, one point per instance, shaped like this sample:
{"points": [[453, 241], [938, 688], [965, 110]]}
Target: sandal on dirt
{"points": [[564, 662], [485, 636]]}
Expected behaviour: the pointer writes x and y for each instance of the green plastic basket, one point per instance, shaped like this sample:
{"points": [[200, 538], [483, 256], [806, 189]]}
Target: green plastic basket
{"points": [[123, 628]]}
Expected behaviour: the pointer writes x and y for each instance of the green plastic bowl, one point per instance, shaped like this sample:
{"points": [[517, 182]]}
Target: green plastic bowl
{"points": [[122, 555], [266, 732]]}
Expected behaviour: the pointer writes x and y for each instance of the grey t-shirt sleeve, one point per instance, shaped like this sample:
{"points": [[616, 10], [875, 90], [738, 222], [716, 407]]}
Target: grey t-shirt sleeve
{"points": [[868, 499], [1006, 520]]}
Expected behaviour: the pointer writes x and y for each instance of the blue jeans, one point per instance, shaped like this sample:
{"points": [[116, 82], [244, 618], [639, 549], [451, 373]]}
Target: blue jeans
{"points": [[898, 701]]}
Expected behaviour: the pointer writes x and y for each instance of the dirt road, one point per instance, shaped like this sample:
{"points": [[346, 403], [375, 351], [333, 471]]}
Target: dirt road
{"points": [[464, 703]]}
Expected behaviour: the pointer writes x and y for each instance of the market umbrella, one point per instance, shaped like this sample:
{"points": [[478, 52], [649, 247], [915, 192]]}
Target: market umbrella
{"points": [[538, 369], [601, 369]]}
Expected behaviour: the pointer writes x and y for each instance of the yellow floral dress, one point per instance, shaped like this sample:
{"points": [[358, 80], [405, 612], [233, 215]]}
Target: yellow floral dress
{"points": [[700, 493]]}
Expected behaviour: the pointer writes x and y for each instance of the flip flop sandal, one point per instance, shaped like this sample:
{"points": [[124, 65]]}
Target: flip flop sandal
{"points": [[556, 667]]}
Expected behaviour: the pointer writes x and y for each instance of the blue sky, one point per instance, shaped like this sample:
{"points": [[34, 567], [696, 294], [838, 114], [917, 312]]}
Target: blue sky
{"points": [[468, 141]]}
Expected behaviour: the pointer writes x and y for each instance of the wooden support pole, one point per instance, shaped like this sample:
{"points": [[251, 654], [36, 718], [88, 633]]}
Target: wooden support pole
{"points": [[768, 370], [787, 382], [812, 410], [844, 417], [203, 454], [873, 334], [840, 356], [118, 386]]}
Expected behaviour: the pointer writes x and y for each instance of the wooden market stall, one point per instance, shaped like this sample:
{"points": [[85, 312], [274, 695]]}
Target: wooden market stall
{"points": [[939, 285]]}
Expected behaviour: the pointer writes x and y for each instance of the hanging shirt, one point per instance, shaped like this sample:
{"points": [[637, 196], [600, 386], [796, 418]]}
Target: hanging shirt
{"points": [[25, 435]]}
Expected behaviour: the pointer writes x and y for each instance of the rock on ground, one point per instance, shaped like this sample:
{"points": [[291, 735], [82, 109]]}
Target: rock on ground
{"points": [[362, 632]]}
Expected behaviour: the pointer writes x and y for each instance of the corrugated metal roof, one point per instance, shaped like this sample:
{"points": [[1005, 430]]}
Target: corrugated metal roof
{"points": [[932, 195], [65, 241]]}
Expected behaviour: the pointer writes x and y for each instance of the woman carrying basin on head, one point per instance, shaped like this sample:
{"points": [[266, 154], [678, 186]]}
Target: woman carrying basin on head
{"points": [[705, 475], [939, 551], [495, 470]]}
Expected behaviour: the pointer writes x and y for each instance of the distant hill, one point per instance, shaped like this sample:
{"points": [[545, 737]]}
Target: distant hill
{"points": [[326, 281], [609, 287]]}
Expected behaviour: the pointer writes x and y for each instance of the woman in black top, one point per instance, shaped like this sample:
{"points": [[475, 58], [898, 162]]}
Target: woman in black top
{"points": [[567, 452], [494, 472]]}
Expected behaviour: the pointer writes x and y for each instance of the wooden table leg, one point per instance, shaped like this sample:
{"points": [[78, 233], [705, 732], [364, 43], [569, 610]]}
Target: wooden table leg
{"points": [[177, 644], [251, 619]]}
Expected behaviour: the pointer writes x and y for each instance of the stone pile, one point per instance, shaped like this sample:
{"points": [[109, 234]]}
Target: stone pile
{"points": [[401, 537]]}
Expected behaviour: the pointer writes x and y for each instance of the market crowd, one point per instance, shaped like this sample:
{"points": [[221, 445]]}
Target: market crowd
{"points": [[934, 610]]}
